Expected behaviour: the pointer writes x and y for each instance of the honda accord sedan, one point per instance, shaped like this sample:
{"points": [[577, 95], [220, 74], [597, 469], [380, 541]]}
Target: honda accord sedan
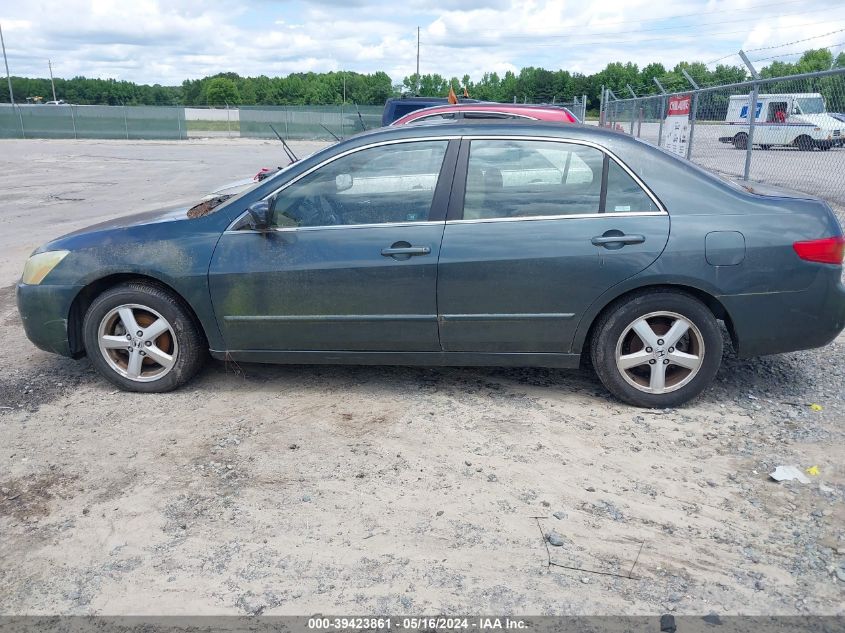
{"points": [[464, 243]]}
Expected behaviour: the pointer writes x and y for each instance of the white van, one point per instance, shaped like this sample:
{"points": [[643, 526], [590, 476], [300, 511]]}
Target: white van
{"points": [[798, 120]]}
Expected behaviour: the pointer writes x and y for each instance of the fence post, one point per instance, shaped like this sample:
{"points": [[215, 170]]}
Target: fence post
{"points": [[73, 121], [601, 108], [583, 107], [125, 122], [634, 106], [693, 109], [20, 117], [692, 116], [179, 123], [662, 111], [752, 114]]}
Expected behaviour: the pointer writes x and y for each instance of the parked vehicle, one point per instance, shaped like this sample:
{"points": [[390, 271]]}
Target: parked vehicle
{"points": [[468, 243], [398, 107], [796, 120], [489, 111]]}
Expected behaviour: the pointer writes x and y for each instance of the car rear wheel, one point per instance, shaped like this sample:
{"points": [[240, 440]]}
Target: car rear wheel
{"points": [[657, 349], [741, 140], [142, 338]]}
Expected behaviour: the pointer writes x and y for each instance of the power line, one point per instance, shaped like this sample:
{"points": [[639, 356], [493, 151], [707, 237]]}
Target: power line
{"points": [[638, 30], [698, 13], [806, 39], [665, 38]]}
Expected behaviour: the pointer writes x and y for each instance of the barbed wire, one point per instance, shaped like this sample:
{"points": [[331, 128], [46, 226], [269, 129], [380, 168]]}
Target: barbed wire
{"points": [[806, 39], [763, 59]]}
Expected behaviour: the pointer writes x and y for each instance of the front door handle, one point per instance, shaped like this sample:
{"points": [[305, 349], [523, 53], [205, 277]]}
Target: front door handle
{"points": [[406, 250], [618, 240], [403, 250]]}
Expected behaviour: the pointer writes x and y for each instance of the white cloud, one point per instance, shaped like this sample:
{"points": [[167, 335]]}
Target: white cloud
{"points": [[166, 41]]}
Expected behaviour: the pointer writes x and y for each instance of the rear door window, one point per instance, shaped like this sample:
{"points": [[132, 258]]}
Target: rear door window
{"points": [[524, 178], [512, 179], [623, 193]]}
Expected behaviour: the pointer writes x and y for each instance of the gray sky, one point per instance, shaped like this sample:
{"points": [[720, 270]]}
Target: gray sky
{"points": [[166, 41]]}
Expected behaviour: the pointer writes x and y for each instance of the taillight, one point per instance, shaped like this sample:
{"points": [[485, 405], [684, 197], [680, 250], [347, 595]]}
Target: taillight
{"points": [[829, 250]]}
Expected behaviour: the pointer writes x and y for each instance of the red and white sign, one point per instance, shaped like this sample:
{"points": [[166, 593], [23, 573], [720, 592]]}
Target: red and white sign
{"points": [[679, 105], [676, 126]]}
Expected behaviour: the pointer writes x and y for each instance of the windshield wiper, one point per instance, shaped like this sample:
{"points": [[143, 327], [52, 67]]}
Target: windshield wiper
{"points": [[291, 156], [336, 137]]}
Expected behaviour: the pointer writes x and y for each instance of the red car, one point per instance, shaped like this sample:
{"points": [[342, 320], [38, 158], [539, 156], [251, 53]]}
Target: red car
{"points": [[489, 111]]}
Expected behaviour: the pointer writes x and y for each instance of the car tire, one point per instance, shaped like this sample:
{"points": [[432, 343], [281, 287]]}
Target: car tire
{"points": [[630, 359], [164, 346], [804, 143], [741, 141]]}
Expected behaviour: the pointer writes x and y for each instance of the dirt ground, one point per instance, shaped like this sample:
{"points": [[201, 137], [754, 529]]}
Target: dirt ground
{"points": [[296, 490]]}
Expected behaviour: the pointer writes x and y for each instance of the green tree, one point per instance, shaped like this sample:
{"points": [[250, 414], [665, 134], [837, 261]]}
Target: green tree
{"points": [[221, 91]]}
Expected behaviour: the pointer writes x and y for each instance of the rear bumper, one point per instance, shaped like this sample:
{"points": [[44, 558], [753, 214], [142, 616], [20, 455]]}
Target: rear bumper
{"points": [[45, 313], [773, 323]]}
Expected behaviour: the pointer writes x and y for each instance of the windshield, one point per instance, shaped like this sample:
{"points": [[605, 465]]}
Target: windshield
{"points": [[811, 105]]}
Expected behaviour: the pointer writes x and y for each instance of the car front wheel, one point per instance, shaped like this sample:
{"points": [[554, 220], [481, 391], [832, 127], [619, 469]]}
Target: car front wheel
{"points": [[142, 338], [657, 349]]}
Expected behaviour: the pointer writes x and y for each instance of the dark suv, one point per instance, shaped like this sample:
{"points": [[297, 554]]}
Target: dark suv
{"points": [[399, 107]]}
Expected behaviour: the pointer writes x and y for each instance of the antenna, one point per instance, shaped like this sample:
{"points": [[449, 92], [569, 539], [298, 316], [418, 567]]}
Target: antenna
{"points": [[417, 82]]}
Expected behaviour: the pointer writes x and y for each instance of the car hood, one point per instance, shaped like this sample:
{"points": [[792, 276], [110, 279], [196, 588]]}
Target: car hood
{"points": [[168, 214], [824, 121]]}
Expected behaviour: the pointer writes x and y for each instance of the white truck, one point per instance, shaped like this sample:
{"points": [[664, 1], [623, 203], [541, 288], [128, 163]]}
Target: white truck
{"points": [[795, 120]]}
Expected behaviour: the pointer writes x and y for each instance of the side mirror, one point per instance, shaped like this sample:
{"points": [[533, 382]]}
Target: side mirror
{"points": [[342, 182], [261, 214]]}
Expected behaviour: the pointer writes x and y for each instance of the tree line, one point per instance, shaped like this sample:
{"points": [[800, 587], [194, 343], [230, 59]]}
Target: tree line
{"points": [[532, 85]]}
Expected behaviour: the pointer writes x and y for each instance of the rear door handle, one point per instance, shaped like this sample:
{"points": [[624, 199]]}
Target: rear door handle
{"points": [[604, 240], [407, 251]]}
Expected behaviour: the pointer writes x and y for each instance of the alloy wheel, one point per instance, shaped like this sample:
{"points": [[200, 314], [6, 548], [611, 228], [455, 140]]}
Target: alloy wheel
{"points": [[660, 352], [137, 342]]}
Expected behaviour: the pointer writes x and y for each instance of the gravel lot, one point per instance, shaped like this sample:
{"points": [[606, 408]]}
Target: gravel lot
{"points": [[816, 172], [289, 490]]}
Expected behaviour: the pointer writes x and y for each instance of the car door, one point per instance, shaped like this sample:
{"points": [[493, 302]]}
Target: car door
{"points": [[537, 230], [351, 261]]}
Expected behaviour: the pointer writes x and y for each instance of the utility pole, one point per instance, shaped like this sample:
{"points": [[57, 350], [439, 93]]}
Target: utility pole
{"points": [[418, 61], [50, 66], [6, 61]]}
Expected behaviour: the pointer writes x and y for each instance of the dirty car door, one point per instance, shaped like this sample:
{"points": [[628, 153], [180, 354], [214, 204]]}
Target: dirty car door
{"points": [[543, 228], [351, 262]]}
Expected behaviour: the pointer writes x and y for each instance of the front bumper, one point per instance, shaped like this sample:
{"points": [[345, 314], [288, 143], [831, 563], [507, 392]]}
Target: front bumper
{"points": [[46, 312], [778, 322]]}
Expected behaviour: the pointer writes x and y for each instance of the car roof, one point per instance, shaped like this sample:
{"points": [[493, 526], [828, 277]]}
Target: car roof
{"points": [[486, 106], [498, 127]]}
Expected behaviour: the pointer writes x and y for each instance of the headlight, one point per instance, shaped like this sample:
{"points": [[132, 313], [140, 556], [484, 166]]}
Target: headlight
{"points": [[39, 266]]}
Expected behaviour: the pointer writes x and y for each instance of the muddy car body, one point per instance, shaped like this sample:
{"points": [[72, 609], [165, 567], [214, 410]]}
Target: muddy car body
{"points": [[454, 244]]}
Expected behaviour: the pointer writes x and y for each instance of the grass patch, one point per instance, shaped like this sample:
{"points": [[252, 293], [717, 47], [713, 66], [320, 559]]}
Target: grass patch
{"points": [[214, 126]]}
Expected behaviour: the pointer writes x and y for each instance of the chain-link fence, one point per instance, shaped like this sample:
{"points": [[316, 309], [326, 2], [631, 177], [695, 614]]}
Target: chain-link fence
{"points": [[308, 122], [793, 136], [578, 106], [72, 121]]}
